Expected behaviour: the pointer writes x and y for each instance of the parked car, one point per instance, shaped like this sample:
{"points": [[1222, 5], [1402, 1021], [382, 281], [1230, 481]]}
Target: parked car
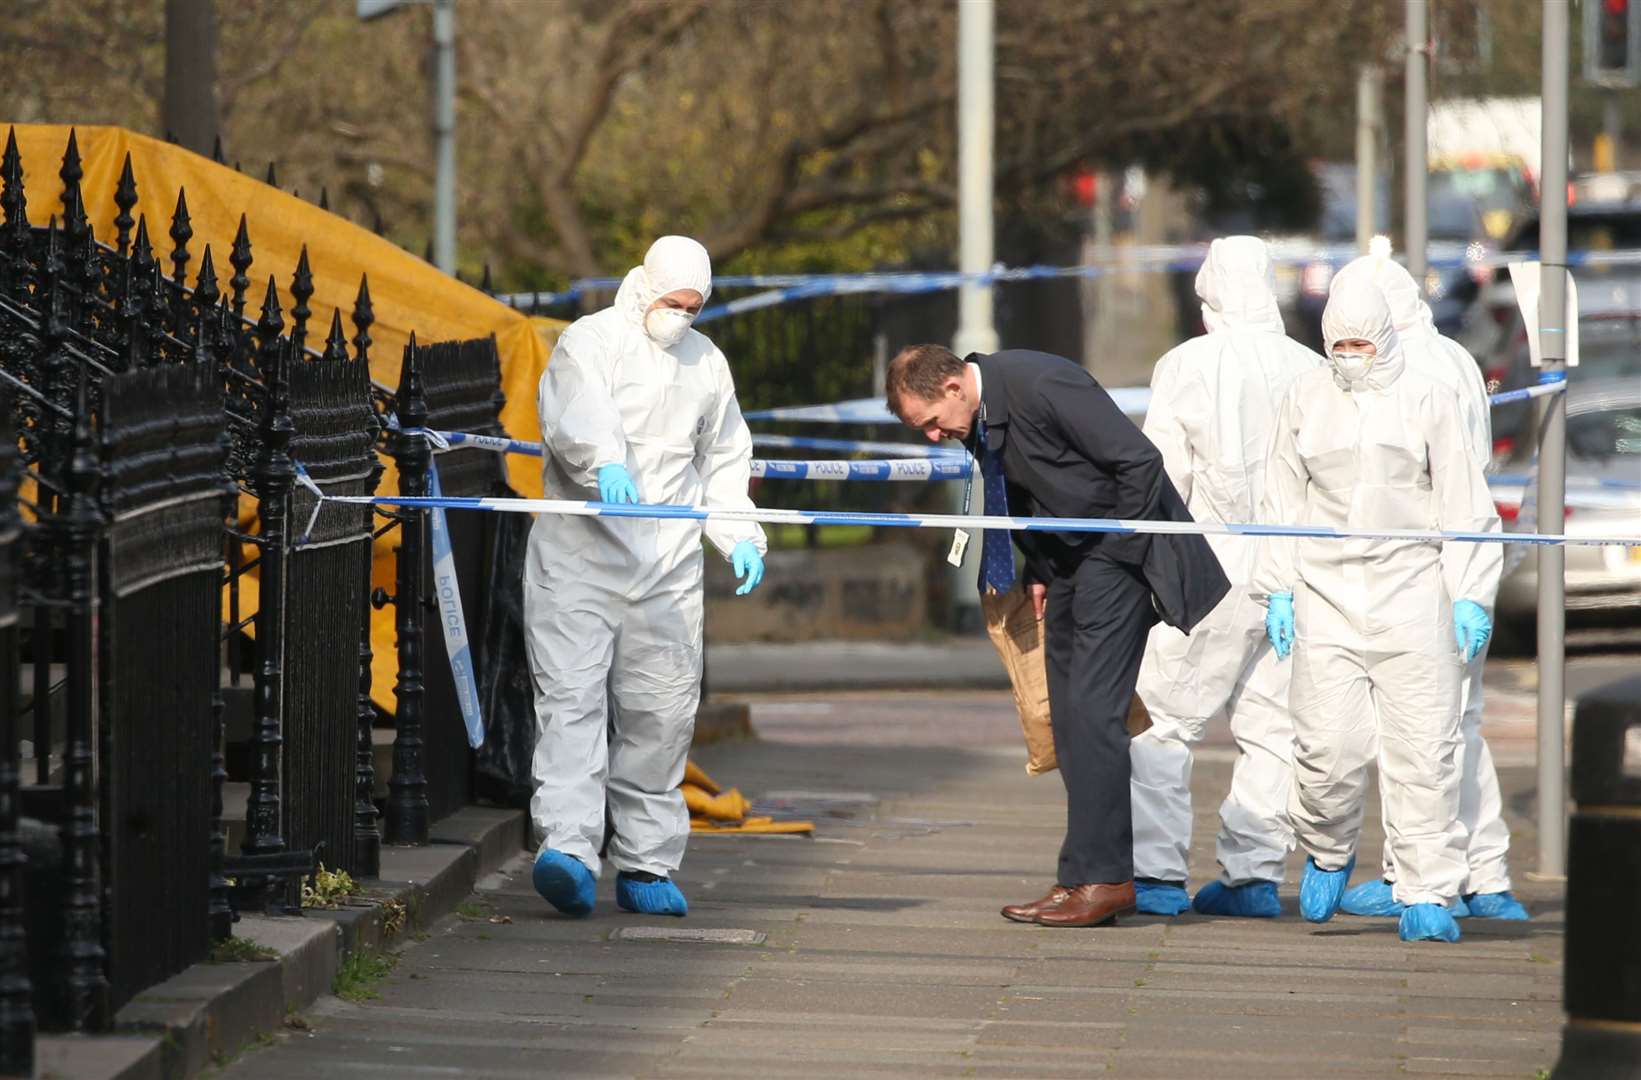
{"points": [[1609, 349], [1604, 240], [1603, 584], [1498, 184]]}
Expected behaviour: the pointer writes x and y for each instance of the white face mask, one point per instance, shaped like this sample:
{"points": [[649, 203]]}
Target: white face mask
{"points": [[667, 326], [1353, 366]]}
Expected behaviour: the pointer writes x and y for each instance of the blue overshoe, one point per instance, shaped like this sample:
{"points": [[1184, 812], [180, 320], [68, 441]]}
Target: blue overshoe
{"points": [[1428, 922], [1495, 905], [1161, 898], [1252, 900], [1320, 891], [1374, 898], [1371, 898], [564, 882], [660, 897]]}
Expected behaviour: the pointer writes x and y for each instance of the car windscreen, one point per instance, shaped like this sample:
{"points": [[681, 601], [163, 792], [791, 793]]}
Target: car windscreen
{"points": [[1489, 189], [1609, 232], [1606, 434], [1617, 231], [1452, 219], [1606, 355]]}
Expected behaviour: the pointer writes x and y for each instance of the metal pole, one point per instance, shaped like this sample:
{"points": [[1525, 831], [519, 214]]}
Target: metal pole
{"points": [[1367, 146], [1552, 321], [975, 331], [1612, 126], [975, 20], [444, 135], [1416, 154]]}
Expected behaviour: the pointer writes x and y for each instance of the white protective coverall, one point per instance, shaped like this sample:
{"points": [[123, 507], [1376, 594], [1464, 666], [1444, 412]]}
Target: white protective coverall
{"points": [[1375, 665], [613, 606], [1481, 807], [1213, 404]]}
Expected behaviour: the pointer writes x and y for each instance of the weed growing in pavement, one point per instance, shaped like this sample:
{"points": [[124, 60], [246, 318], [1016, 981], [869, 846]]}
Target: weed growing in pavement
{"points": [[473, 909], [359, 974], [238, 950], [394, 917], [327, 888]]}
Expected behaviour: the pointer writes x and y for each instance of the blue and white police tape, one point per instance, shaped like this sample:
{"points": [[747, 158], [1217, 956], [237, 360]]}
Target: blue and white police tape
{"points": [[1127, 258], [1527, 393], [448, 599], [904, 469], [856, 446], [1132, 400], [768, 516], [945, 465]]}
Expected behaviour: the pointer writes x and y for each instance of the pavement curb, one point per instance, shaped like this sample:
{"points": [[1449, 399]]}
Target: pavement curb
{"points": [[212, 1011]]}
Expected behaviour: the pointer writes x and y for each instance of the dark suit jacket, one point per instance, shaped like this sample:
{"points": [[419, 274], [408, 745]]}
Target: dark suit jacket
{"points": [[1068, 451]]}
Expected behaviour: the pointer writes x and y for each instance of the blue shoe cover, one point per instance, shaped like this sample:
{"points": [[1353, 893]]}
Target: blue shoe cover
{"points": [[1161, 898], [1495, 905], [1321, 890], [564, 882], [1252, 900], [1428, 922], [1371, 898], [650, 897], [1374, 898]]}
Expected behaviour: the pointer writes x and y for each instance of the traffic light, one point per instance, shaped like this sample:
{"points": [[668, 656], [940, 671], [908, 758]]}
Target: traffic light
{"points": [[1612, 42]]}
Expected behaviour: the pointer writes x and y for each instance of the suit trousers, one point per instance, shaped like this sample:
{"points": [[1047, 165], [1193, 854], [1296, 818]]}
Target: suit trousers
{"points": [[1098, 615]]}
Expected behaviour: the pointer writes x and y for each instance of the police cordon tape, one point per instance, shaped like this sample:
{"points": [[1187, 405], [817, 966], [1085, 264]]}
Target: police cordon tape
{"points": [[904, 469], [767, 516], [1131, 399], [1177, 258], [448, 600], [934, 463]]}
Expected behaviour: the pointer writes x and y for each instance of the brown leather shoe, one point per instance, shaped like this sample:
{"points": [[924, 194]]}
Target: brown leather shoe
{"points": [[1029, 912], [1091, 905]]}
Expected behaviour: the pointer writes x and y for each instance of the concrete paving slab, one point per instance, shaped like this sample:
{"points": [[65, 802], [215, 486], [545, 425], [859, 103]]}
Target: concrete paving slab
{"points": [[884, 954]]}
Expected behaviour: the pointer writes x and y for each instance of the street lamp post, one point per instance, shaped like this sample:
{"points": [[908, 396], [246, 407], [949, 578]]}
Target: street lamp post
{"points": [[444, 119], [1553, 314]]}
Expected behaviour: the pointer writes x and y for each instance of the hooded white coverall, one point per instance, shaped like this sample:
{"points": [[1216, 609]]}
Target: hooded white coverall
{"points": [[1213, 404], [1375, 665], [1481, 807], [613, 606]]}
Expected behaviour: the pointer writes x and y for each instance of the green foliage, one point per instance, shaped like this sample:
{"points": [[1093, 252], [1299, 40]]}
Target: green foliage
{"points": [[360, 974], [327, 888], [236, 950]]}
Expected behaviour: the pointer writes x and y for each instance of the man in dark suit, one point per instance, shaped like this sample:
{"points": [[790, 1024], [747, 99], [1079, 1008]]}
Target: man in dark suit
{"points": [[1050, 442]]}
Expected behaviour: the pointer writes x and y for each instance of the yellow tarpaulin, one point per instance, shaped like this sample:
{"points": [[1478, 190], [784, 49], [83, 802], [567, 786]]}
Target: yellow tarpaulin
{"points": [[406, 293]]}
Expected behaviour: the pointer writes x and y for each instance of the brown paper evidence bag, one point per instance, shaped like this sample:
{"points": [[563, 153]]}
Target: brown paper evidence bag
{"points": [[1017, 635]]}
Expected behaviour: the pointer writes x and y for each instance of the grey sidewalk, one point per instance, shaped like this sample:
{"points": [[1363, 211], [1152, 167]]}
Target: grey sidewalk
{"points": [[959, 663], [882, 953]]}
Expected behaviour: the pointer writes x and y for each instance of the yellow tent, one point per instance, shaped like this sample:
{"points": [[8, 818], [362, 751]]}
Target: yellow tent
{"points": [[406, 293]]}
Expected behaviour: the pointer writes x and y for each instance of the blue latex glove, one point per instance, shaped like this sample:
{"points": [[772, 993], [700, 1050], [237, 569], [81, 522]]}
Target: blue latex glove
{"points": [[615, 485], [1471, 626], [1279, 623], [749, 566]]}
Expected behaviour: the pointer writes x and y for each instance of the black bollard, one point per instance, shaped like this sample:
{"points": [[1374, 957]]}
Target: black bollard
{"points": [[1602, 989]]}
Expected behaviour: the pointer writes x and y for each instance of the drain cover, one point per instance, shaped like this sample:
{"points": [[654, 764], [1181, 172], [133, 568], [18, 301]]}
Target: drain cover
{"points": [[709, 937]]}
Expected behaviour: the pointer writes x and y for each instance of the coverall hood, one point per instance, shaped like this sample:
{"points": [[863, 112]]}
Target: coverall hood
{"points": [[1236, 286], [672, 263], [1408, 312], [1356, 309]]}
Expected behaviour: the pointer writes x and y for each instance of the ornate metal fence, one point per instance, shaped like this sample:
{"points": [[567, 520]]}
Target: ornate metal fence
{"points": [[140, 406]]}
